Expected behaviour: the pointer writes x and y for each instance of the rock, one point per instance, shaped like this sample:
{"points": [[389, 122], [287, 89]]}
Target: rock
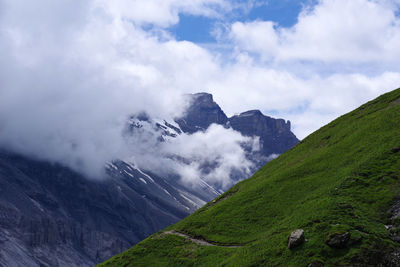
{"points": [[395, 149], [296, 238], [315, 264], [338, 240]]}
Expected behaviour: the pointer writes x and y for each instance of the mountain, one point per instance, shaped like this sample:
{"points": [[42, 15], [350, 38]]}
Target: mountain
{"points": [[51, 215], [332, 200], [275, 134]]}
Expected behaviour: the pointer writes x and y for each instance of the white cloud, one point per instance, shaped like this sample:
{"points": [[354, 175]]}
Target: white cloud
{"points": [[218, 147], [257, 36], [356, 31], [309, 102], [162, 13], [70, 73]]}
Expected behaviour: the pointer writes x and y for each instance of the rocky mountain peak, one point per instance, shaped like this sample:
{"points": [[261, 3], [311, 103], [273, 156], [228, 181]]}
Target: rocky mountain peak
{"points": [[275, 134], [205, 98], [254, 112], [202, 112]]}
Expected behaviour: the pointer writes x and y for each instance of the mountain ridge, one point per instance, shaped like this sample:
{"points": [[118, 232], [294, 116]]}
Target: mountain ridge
{"points": [[275, 134]]}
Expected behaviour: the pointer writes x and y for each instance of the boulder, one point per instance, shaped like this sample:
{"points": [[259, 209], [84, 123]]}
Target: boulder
{"points": [[296, 238], [315, 264], [338, 240]]}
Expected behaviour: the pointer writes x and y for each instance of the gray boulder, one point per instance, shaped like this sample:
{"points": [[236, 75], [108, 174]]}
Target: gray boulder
{"points": [[296, 238]]}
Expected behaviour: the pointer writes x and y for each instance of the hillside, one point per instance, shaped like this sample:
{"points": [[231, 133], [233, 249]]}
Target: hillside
{"points": [[339, 184]]}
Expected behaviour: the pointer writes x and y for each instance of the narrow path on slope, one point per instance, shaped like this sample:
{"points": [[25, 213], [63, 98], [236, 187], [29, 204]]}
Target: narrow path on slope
{"points": [[198, 241]]}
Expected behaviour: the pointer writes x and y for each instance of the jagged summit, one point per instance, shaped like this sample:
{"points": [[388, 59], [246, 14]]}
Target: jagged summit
{"points": [[202, 96], [275, 134], [201, 113], [254, 112]]}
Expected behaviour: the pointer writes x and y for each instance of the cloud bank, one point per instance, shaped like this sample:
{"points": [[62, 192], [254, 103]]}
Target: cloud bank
{"points": [[217, 155], [72, 72]]}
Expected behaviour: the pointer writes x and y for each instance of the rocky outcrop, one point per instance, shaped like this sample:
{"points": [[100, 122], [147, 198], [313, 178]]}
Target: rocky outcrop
{"points": [[338, 240], [296, 238]]}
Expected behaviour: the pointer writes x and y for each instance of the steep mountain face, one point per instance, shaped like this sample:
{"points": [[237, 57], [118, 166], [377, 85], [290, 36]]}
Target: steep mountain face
{"points": [[51, 215], [275, 134], [332, 200]]}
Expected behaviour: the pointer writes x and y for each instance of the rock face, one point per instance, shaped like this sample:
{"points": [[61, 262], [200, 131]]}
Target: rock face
{"points": [[275, 134], [201, 113], [338, 240], [296, 238]]}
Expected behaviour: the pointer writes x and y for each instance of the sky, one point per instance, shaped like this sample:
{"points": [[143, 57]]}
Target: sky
{"points": [[72, 71]]}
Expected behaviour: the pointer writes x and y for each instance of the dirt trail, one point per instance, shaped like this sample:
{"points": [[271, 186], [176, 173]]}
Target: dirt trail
{"points": [[198, 241]]}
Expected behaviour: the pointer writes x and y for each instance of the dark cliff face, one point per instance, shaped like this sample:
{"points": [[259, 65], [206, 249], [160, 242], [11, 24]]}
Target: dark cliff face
{"points": [[201, 113], [275, 135]]}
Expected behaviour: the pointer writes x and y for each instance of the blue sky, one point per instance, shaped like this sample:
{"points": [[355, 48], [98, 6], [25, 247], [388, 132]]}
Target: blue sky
{"points": [[199, 29]]}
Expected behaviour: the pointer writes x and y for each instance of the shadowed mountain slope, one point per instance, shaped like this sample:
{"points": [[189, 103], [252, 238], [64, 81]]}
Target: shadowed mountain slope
{"points": [[53, 216]]}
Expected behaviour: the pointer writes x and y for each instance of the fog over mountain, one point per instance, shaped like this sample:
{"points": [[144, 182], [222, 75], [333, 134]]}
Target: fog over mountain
{"points": [[70, 83], [72, 73]]}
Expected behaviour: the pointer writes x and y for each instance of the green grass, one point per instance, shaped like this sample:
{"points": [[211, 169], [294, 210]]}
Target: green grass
{"points": [[344, 177]]}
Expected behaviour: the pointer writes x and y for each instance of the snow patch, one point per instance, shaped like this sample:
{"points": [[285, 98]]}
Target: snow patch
{"points": [[167, 192], [110, 165], [129, 174], [148, 177]]}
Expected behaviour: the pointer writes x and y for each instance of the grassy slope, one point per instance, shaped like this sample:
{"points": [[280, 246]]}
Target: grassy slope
{"points": [[343, 177]]}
